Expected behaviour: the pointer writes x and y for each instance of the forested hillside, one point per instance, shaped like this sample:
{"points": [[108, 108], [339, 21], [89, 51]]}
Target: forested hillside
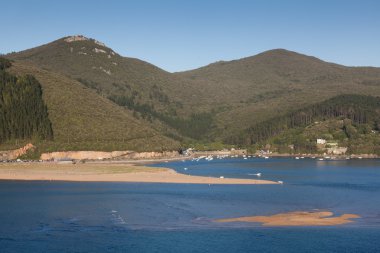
{"points": [[346, 119], [227, 102], [23, 113]]}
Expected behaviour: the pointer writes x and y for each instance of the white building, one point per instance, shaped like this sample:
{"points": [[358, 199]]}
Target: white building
{"points": [[321, 141]]}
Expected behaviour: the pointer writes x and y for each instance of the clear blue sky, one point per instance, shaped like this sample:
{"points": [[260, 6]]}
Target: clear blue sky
{"points": [[180, 35]]}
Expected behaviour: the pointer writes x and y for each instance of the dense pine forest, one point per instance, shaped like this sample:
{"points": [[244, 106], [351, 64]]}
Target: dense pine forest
{"points": [[23, 113], [357, 109]]}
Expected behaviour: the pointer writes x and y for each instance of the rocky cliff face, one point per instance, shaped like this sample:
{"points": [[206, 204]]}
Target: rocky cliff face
{"points": [[14, 154]]}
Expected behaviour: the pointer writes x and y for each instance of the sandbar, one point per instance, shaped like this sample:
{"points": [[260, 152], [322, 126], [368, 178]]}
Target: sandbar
{"points": [[109, 173], [299, 218]]}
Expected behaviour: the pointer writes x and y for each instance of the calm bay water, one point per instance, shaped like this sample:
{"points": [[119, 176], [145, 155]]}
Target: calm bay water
{"points": [[134, 217]]}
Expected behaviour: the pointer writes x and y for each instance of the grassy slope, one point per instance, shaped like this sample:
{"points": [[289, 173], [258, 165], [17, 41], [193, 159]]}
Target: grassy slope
{"points": [[83, 120]]}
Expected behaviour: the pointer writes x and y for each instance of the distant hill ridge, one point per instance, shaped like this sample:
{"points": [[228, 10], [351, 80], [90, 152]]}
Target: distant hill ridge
{"points": [[214, 103]]}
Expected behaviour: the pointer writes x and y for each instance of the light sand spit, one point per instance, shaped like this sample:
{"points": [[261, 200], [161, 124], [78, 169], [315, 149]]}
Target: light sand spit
{"points": [[109, 173]]}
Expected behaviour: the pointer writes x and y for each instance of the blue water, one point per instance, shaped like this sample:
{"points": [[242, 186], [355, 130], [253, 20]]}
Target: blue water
{"points": [[137, 217]]}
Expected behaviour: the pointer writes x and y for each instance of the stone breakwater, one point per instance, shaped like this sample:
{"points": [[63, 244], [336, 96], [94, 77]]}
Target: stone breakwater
{"points": [[100, 155]]}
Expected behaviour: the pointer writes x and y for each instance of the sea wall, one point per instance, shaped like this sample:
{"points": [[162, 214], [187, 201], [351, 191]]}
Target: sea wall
{"points": [[220, 152], [152, 155]]}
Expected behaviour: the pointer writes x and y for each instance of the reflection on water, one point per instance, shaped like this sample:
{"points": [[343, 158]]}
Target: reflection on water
{"points": [[113, 217]]}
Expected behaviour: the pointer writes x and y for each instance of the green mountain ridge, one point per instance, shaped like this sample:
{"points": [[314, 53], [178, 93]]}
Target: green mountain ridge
{"points": [[214, 103], [276, 82]]}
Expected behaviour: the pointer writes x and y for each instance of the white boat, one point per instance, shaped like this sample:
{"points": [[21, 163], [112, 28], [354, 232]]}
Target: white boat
{"points": [[280, 182], [209, 158]]}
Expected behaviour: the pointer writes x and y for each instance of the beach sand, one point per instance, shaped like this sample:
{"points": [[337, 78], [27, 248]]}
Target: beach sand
{"points": [[322, 218], [108, 173]]}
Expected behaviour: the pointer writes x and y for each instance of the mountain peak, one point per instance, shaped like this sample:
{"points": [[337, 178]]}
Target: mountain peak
{"points": [[79, 37], [279, 52]]}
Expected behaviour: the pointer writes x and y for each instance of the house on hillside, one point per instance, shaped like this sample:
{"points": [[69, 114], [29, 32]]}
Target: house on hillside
{"points": [[321, 144], [321, 141], [330, 147]]}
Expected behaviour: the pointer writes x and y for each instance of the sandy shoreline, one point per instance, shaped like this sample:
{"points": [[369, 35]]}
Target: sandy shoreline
{"points": [[337, 157], [319, 218], [109, 173]]}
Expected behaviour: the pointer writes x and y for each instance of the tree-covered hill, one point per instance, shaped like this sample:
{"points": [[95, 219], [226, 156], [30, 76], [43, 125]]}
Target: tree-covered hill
{"points": [[214, 103], [347, 119], [256, 88]]}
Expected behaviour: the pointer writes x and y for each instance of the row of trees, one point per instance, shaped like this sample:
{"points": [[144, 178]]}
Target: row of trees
{"points": [[23, 113], [358, 108]]}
